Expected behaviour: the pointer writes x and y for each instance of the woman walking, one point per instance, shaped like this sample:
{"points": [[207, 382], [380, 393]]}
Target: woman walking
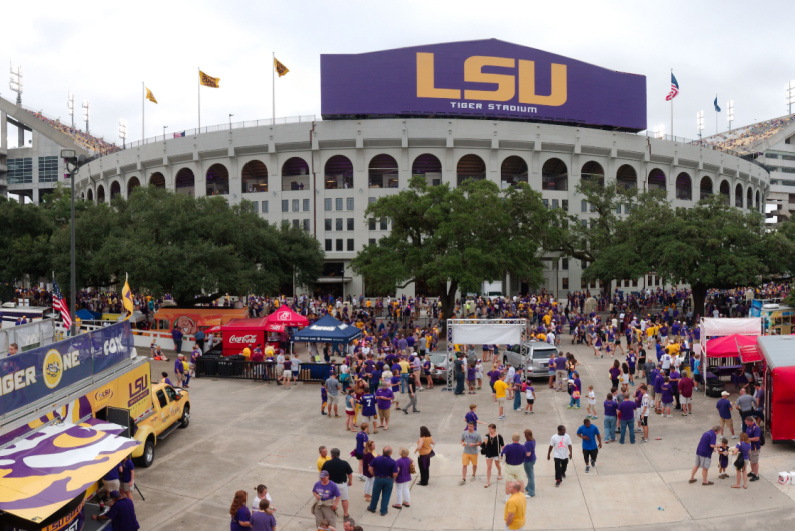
{"points": [[425, 449], [529, 463], [403, 480], [241, 516], [492, 447], [358, 452], [615, 373], [742, 450], [369, 455]]}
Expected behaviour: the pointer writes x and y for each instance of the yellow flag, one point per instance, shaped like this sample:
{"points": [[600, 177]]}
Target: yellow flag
{"points": [[207, 81], [280, 68], [150, 96], [126, 297]]}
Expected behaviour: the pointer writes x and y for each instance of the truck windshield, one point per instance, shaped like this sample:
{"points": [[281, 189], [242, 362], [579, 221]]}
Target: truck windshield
{"points": [[161, 397], [171, 394]]}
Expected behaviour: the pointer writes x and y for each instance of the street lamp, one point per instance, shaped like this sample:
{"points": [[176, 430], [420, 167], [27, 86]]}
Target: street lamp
{"points": [[73, 162], [123, 133], [230, 121], [730, 113], [700, 123], [164, 132]]}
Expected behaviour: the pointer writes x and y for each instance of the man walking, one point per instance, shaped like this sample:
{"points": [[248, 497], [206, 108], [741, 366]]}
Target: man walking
{"points": [[724, 408], [412, 385], [558, 444], [341, 473], [333, 387], [755, 437], [645, 407], [384, 470], [704, 450], [459, 374], [745, 404], [500, 387], [470, 440], [686, 386], [176, 335], [517, 390], [327, 496], [627, 410], [591, 443], [560, 372], [515, 506], [515, 454]]}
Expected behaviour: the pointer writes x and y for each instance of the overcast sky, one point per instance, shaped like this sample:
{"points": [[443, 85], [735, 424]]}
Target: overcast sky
{"points": [[102, 51]]}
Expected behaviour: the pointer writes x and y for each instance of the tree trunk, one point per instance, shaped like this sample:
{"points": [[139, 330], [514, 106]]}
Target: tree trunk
{"points": [[448, 305], [699, 296]]}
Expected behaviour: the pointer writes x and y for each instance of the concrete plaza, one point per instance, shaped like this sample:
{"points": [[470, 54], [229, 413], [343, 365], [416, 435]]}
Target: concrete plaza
{"points": [[244, 433]]}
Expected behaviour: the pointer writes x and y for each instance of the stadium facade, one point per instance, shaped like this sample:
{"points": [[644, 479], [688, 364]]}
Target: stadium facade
{"points": [[449, 112]]}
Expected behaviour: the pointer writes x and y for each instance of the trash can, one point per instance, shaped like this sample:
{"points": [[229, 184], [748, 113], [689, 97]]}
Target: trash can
{"points": [[715, 387]]}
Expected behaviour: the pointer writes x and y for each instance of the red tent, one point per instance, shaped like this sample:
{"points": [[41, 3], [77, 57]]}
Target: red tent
{"points": [[732, 346], [283, 317], [240, 333]]}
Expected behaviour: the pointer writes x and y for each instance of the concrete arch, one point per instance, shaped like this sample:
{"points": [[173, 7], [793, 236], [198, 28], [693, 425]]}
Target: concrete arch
{"points": [[705, 187], [382, 172], [725, 191], [132, 183], [185, 182], [115, 189], [157, 180], [254, 177], [338, 172], [555, 175], [217, 180], [684, 186], [513, 170], [656, 180], [429, 166], [626, 177], [100, 193], [749, 199], [295, 174], [738, 195], [593, 171], [90, 194]]}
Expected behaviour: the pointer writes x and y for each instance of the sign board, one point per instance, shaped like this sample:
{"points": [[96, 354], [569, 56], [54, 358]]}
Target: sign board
{"points": [[480, 79]]}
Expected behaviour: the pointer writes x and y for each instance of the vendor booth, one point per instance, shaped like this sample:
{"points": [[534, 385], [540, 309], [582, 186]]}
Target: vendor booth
{"points": [[728, 344], [242, 333], [778, 353], [327, 330], [278, 323]]}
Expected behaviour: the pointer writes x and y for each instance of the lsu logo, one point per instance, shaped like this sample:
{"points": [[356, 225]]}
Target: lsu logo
{"points": [[53, 369], [103, 394], [138, 389], [507, 85]]}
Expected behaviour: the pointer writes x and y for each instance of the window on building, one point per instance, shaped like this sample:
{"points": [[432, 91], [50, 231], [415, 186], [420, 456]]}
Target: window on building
{"points": [[564, 283], [264, 207], [555, 203], [371, 224], [350, 223], [285, 223], [296, 205], [306, 205], [338, 223], [371, 241], [48, 169], [618, 208], [593, 207], [328, 225], [350, 244], [349, 203], [583, 206], [546, 202], [635, 283], [564, 203], [327, 204], [583, 284], [306, 225], [339, 244], [584, 223], [328, 245], [564, 264], [371, 199], [20, 171], [285, 205], [338, 203], [384, 224], [297, 223], [255, 207]]}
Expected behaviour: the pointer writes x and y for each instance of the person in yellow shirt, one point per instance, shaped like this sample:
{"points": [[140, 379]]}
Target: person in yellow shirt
{"points": [[324, 456], [515, 507], [247, 352], [499, 390]]}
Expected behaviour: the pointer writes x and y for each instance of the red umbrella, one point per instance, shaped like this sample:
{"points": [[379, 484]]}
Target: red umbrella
{"points": [[283, 317]]}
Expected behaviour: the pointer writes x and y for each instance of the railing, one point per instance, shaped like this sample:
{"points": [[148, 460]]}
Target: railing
{"points": [[222, 127], [214, 366]]}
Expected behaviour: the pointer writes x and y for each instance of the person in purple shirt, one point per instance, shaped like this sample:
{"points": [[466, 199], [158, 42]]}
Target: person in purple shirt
{"points": [[704, 455], [667, 397], [384, 470], [658, 382], [122, 513], [179, 371], [560, 372], [627, 410], [517, 391], [403, 480], [610, 418], [755, 438], [529, 463], [515, 454], [384, 397], [327, 495]]}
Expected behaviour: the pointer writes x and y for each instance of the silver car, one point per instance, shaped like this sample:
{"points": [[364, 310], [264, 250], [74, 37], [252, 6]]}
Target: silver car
{"points": [[439, 363], [536, 364]]}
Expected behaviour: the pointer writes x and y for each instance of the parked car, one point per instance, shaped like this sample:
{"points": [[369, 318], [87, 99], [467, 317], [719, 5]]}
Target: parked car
{"points": [[536, 362], [439, 363]]}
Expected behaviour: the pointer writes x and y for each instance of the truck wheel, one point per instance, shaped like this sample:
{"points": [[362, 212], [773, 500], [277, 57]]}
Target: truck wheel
{"points": [[148, 457], [185, 420]]}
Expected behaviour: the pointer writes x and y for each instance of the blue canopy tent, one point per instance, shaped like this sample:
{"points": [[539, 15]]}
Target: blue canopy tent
{"points": [[88, 315], [327, 330]]}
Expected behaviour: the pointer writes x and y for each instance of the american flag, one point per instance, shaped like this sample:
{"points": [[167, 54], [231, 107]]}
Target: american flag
{"points": [[674, 88], [58, 303]]}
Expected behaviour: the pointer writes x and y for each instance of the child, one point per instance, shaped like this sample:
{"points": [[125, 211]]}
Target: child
{"points": [[591, 403], [479, 373], [369, 414], [723, 458], [361, 444], [575, 396], [325, 526], [530, 397], [323, 399], [349, 410], [394, 381], [165, 379], [471, 378], [472, 416]]}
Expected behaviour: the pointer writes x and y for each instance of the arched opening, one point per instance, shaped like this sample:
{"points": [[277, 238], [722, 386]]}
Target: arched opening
{"points": [[724, 191], [131, 184], [115, 189], [339, 172], [749, 199], [555, 176], [470, 167], [705, 188], [513, 171], [185, 182], [157, 180], [758, 201], [100, 194], [254, 177], [626, 178], [90, 194], [593, 172], [382, 172], [295, 174], [656, 180], [684, 187], [428, 166], [217, 180], [738, 196], [82, 196]]}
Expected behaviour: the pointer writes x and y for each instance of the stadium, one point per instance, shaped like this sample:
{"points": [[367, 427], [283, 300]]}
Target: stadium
{"points": [[449, 112]]}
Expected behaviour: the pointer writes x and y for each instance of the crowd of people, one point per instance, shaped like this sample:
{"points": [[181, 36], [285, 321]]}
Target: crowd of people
{"points": [[744, 138], [97, 146]]}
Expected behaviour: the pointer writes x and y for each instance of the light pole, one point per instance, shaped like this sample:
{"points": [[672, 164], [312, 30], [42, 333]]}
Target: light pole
{"points": [[730, 113], [790, 96], [123, 133], [73, 162], [86, 114], [230, 121], [164, 132], [700, 123], [70, 104]]}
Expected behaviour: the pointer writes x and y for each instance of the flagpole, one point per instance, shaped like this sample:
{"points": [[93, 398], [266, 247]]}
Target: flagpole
{"points": [[672, 110], [199, 90], [716, 114], [273, 87], [143, 106]]}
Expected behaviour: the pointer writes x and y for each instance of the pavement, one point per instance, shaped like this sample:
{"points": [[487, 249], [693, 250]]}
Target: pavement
{"points": [[243, 433]]}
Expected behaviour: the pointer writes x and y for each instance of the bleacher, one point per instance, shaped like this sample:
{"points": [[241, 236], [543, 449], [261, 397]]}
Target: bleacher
{"points": [[744, 139], [91, 143]]}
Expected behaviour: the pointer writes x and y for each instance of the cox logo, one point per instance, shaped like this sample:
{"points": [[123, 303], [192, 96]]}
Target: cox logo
{"points": [[251, 338], [283, 316], [103, 394], [53, 368]]}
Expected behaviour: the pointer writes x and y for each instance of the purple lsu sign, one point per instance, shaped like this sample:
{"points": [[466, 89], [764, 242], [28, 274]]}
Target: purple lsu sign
{"points": [[481, 79]]}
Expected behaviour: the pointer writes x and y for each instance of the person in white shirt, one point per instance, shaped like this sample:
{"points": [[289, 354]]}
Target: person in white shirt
{"points": [[551, 337], [509, 379], [645, 404], [262, 494], [591, 403], [665, 361], [559, 444], [279, 367]]}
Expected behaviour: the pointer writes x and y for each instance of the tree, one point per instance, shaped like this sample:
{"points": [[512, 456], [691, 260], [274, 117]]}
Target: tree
{"points": [[24, 227], [455, 238]]}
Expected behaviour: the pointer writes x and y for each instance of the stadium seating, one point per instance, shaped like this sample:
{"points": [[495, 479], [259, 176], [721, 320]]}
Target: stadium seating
{"points": [[743, 139], [93, 144]]}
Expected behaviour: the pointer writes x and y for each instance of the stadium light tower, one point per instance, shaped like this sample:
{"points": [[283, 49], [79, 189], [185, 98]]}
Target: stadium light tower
{"points": [[790, 96], [70, 104], [659, 131], [700, 123], [730, 113], [86, 113], [123, 133], [16, 83]]}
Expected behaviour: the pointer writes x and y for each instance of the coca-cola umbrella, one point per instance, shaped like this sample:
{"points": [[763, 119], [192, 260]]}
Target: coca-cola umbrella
{"points": [[284, 317]]}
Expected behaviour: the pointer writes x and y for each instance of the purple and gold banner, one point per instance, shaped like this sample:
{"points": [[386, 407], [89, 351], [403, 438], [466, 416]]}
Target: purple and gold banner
{"points": [[481, 79]]}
